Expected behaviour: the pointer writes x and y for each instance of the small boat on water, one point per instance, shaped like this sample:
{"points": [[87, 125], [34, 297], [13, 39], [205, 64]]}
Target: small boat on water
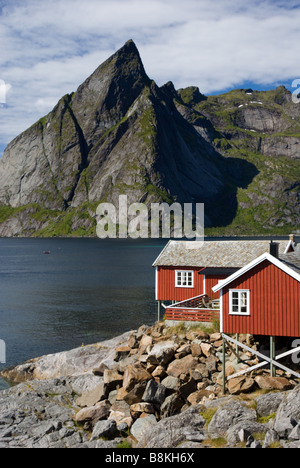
{"points": [[46, 252]]}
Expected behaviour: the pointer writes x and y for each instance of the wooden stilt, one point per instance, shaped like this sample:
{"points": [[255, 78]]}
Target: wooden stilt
{"points": [[237, 349], [264, 358], [224, 365], [272, 356]]}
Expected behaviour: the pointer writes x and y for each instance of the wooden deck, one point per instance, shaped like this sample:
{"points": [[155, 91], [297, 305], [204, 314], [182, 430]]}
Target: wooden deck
{"points": [[196, 309]]}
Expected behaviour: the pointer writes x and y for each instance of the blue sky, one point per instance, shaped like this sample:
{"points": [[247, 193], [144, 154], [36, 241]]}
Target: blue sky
{"points": [[48, 48]]}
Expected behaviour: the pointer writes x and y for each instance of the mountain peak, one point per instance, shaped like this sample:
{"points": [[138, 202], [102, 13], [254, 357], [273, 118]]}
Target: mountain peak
{"points": [[105, 97], [130, 45], [124, 71], [121, 134], [127, 61]]}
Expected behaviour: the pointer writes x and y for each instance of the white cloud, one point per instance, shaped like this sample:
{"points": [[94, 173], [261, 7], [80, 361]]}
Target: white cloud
{"points": [[4, 89], [49, 48]]}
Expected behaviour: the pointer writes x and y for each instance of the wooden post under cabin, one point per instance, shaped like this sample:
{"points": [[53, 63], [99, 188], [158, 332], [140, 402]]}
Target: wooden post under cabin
{"points": [[272, 356], [237, 350], [158, 310], [224, 366]]}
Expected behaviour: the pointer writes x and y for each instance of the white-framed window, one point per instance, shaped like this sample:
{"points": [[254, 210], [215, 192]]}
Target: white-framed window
{"points": [[184, 279], [239, 302]]}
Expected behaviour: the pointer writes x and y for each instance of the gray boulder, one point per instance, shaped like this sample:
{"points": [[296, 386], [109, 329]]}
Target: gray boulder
{"points": [[295, 434], [243, 432], [104, 429], [270, 438], [229, 415], [288, 414], [269, 403], [142, 425], [162, 353], [171, 405], [169, 433], [154, 393]]}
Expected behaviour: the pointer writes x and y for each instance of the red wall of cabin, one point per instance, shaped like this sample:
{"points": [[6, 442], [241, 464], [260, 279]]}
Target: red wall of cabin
{"points": [[211, 281], [274, 303], [166, 290]]}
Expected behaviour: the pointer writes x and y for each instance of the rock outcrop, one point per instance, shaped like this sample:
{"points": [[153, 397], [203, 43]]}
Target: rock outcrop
{"points": [[120, 133], [156, 387]]}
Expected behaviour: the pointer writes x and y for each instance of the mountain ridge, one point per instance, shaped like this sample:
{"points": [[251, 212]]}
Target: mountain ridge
{"points": [[120, 133]]}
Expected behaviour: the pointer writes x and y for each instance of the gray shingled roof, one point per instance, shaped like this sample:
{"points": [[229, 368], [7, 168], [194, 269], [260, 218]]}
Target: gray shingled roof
{"points": [[292, 260], [225, 254]]}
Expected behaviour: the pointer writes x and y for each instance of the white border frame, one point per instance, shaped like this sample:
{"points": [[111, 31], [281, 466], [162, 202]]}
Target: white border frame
{"points": [[184, 271], [240, 314]]}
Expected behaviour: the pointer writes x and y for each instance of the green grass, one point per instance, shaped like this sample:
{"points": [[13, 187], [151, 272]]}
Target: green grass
{"points": [[124, 445], [6, 212], [208, 414], [57, 223]]}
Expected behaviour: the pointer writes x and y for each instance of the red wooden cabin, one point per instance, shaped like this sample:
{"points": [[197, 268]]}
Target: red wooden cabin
{"points": [[182, 283], [186, 271], [262, 298]]}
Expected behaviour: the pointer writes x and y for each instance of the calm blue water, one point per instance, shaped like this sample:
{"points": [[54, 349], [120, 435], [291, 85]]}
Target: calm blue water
{"points": [[86, 291]]}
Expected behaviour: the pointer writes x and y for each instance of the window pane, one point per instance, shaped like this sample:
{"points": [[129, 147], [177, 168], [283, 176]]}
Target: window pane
{"points": [[244, 299], [184, 278], [239, 302]]}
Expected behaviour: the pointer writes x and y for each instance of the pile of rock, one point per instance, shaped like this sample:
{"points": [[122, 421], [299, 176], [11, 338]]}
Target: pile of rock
{"points": [[156, 387], [161, 372], [267, 421]]}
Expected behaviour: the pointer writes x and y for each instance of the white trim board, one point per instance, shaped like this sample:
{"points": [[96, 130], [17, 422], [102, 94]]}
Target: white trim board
{"points": [[290, 244]]}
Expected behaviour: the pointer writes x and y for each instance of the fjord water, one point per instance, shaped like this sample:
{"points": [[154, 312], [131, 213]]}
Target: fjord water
{"points": [[83, 292]]}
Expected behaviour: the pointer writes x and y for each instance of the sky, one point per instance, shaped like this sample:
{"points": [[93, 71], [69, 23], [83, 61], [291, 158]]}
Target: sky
{"points": [[48, 48]]}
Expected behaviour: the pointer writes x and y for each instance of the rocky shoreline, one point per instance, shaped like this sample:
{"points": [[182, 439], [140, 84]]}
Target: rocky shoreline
{"points": [[157, 387]]}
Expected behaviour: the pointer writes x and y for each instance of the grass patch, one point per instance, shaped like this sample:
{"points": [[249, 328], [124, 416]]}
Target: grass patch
{"points": [[208, 414], [7, 212], [265, 419], [124, 445], [218, 442]]}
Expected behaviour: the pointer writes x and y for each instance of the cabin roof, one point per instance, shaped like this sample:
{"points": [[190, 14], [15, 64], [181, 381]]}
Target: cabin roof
{"points": [[292, 260], [266, 256], [216, 254]]}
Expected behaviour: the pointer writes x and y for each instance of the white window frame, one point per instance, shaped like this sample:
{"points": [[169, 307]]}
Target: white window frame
{"points": [[239, 303], [185, 272]]}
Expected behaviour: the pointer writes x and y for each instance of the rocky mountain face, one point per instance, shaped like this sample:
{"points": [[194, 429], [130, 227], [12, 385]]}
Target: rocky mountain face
{"points": [[120, 133]]}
